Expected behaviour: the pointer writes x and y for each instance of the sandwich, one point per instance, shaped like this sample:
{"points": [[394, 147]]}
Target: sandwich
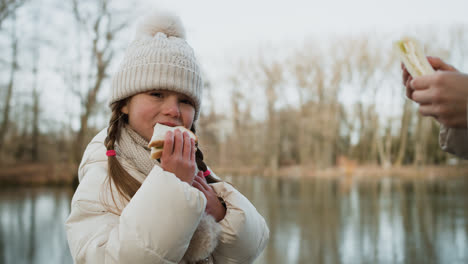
{"points": [[159, 134], [412, 55]]}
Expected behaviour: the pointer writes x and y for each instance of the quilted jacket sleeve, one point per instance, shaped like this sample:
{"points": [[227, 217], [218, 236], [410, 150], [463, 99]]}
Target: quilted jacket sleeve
{"points": [[244, 232]]}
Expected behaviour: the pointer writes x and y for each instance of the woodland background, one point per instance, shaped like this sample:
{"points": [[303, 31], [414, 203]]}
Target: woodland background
{"points": [[315, 106]]}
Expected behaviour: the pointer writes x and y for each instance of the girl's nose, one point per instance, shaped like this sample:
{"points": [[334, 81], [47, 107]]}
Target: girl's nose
{"points": [[171, 106]]}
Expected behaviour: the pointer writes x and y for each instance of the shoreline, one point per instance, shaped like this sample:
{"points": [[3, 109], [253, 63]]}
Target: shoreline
{"points": [[361, 172], [64, 174], [38, 174]]}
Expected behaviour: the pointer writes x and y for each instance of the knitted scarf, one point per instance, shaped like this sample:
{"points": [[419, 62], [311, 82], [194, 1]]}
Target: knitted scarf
{"points": [[134, 149]]}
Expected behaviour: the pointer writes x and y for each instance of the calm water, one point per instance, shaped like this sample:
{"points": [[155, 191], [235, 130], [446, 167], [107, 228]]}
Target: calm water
{"points": [[311, 221]]}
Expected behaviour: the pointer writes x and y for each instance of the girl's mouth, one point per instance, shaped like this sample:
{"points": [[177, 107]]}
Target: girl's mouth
{"points": [[168, 124]]}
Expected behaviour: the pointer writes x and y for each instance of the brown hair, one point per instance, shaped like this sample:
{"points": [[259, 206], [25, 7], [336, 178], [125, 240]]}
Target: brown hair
{"points": [[125, 184]]}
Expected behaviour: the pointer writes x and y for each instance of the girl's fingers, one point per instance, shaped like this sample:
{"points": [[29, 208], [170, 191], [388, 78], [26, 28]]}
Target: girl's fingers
{"points": [[205, 184], [194, 149], [199, 187], [168, 144], [201, 178], [187, 150], [178, 142], [200, 181]]}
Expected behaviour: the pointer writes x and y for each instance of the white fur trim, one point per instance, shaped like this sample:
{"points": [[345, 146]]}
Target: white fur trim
{"points": [[204, 240]]}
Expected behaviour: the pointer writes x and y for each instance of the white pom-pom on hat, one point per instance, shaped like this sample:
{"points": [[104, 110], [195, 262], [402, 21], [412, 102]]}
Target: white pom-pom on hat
{"points": [[160, 21]]}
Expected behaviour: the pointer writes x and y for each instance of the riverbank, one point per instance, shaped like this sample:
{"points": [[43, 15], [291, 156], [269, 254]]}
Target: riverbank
{"points": [[38, 174], [65, 173], [360, 171]]}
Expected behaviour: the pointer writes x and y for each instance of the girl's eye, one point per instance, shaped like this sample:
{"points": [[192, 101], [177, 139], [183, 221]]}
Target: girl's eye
{"points": [[186, 101], [157, 94]]}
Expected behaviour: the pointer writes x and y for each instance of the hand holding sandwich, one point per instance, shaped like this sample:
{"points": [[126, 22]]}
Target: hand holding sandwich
{"points": [[442, 95], [178, 155]]}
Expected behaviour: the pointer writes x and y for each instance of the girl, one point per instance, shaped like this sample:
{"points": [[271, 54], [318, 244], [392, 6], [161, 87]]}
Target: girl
{"points": [[131, 209]]}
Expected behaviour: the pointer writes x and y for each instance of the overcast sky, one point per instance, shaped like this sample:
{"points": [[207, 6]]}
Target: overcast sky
{"points": [[217, 27], [221, 31]]}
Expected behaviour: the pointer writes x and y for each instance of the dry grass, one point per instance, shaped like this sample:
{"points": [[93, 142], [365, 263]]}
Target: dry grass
{"points": [[38, 174], [64, 173], [361, 172]]}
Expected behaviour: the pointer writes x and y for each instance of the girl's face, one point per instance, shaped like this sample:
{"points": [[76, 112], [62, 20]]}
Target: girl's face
{"points": [[169, 108]]}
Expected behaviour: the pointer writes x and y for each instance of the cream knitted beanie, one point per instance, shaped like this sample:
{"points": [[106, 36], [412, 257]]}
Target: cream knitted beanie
{"points": [[159, 58]]}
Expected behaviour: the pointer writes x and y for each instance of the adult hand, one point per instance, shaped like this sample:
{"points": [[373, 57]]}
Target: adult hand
{"points": [[179, 155], [443, 95], [437, 64], [213, 205]]}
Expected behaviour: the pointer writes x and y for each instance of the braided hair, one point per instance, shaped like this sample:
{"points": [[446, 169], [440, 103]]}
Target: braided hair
{"points": [[200, 163], [125, 184]]}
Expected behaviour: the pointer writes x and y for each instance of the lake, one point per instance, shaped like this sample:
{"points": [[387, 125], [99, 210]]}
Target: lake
{"points": [[311, 221]]}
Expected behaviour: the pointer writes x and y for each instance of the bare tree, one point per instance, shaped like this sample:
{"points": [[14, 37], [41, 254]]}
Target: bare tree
{"points": [[8, 8], [404, 127], [23, 145], [102, 34], [35, 92], [421, 137], [273, 77], [207, 127], [8, 97], [308, 74]]}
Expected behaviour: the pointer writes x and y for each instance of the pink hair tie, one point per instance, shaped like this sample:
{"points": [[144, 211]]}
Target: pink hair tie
{"points": [[110, 152], [206, 173]]}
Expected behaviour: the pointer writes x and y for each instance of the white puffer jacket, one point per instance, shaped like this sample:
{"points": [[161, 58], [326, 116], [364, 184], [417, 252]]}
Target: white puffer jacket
{"points": [[157, 224]]}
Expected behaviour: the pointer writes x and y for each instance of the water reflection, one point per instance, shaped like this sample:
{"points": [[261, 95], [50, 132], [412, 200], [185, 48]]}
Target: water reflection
{"points": [[311, 221], [31, 225], [381, 221]]}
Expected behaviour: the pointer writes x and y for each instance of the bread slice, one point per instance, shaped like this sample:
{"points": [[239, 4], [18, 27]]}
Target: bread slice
{"points": [[412, 55], [156, 153], [159, 134]]}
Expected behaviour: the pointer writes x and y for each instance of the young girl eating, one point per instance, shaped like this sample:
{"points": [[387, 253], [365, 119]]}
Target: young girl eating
{"points": [[129, 208]]}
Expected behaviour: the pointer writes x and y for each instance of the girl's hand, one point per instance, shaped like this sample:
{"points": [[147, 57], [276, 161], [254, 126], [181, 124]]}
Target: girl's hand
{"points": [[179, 155], [213, 204]]}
